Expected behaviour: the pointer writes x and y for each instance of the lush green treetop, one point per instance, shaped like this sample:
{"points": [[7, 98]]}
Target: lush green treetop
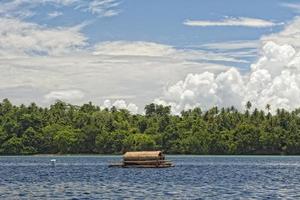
{"points": [[65, 128]]}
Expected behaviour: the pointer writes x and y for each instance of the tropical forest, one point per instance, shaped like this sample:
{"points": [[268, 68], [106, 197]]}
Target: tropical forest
{"points": [[63, 128]]}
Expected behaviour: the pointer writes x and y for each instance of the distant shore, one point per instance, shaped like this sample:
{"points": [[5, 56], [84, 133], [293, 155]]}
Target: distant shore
{"points": [[100, 155], [66, 129]]}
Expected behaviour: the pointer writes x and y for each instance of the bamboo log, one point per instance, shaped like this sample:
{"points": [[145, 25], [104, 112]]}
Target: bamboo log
{"points": [[148, 166], [116, 165], [146, 162], [143, 155]]}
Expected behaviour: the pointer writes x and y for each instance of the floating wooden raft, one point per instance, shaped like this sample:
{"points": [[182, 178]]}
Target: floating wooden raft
{"points": [[143, 159]]}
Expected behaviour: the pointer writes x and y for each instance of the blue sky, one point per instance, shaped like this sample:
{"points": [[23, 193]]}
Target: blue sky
{"points": [[162, 21], [132, 52]]}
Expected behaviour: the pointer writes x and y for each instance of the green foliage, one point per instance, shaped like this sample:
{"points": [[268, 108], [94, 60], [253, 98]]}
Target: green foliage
{"points": [[65, 128], [138, 142], [110, 142], [12, 146], [66, 140]]}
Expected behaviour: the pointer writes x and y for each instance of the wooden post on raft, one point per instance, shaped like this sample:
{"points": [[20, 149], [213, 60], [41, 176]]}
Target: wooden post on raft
{"points": [[144, 159]]}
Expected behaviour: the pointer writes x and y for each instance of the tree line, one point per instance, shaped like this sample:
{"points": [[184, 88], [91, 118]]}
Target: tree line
{"points": [[87, 129]]}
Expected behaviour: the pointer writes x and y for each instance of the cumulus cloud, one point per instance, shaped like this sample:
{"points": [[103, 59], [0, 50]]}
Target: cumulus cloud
{"points": [[120, 104], [205, 90], [67, 95], [274, 79], [240, 21], [45, 59], [49, 62]]}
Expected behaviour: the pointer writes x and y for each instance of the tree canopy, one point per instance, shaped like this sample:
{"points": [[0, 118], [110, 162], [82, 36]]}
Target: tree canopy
{"points": [[65, 128]]}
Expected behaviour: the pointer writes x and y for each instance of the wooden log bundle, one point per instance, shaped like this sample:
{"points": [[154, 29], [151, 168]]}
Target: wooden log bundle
{"points": [[143, 155], [144, 159]]}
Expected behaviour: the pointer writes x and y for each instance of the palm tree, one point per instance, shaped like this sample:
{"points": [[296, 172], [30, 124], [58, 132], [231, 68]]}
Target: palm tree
{"points": [[248, 105], [268, 107]]}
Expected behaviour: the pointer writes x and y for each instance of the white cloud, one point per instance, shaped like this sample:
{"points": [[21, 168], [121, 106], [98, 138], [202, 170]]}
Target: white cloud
{"points": [[67, 95], [48, 63], [110, 13], [240, 21], [150, 49], [294, 6], [243, 50], [205, 90], [233, 45], [120, 104], [274, 79], [139, 78], [139, 48], [27, 8], [54, 14], [289, 35], [40, 60], [19, 38], [105, 8]]}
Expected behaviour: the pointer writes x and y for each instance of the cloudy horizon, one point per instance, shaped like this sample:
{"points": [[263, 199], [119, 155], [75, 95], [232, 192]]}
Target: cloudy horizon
{"points": [[131, 53]]}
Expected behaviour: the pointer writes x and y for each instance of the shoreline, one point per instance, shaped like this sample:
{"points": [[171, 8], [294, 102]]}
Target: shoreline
{"points": [[171, 155]]}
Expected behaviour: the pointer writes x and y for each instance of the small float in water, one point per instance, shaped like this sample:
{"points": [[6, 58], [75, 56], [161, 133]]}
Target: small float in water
{"points": [[143, 159], [53, 162]]}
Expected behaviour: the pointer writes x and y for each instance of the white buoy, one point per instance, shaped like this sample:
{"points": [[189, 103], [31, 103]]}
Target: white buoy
{"points": [[53, 161]]}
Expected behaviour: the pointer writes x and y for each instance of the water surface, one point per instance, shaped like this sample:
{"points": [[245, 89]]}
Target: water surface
{"points": [[194, 177]]}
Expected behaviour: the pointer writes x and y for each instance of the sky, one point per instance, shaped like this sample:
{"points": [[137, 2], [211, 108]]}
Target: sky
{"points": [[129, 53]]}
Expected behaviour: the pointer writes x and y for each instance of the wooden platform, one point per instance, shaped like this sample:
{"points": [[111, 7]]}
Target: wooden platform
{"points": [[165, 165]]}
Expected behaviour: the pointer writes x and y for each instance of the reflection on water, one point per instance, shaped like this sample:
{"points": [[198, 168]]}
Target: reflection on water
{"points": [[194, 177]]}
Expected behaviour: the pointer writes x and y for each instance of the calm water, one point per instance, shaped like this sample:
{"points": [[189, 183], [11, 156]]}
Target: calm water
{"points": [[194, 177]]}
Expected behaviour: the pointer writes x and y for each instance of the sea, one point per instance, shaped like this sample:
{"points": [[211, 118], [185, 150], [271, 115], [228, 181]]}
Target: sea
{"points": [[193, 177]]}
